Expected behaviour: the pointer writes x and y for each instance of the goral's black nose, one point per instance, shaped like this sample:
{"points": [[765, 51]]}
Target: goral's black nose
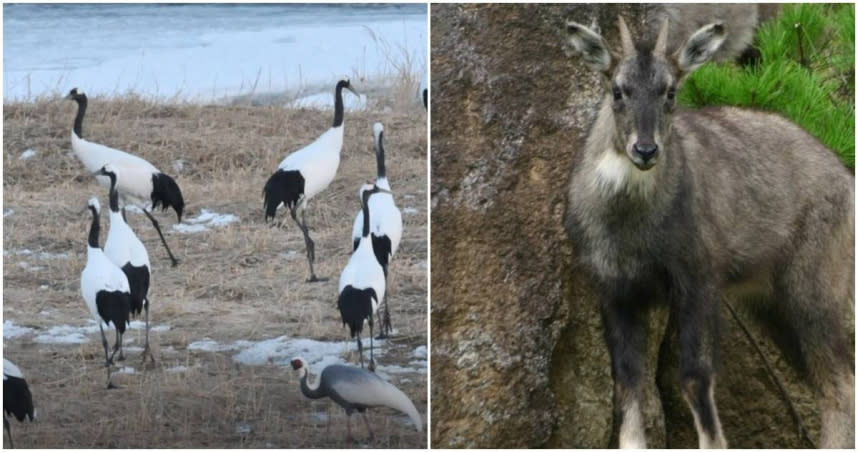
{"points": [[645, 151]]}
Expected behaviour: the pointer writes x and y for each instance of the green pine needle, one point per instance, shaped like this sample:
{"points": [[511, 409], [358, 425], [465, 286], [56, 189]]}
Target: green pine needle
{"points": [[810, 83]]}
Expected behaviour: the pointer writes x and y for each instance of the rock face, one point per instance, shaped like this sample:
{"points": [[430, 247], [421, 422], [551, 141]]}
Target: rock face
{"points": [[518, 358]]}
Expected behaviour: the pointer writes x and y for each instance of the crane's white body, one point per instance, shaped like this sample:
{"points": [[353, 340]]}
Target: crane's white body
{"points": [[135, 187], [385, 219], [122, 245], [100, 274], [364, 272], [11, 370], [317, 162]]}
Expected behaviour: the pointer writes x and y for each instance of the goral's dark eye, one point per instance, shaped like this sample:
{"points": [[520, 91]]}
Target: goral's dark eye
{"points": [[618, 94], [671, 93]]}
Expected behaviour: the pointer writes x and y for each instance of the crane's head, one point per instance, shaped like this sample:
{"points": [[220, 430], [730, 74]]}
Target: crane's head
{"points": [[299, 365], [107, 170], [93, 205], [377, 130], [345, 83], [76, 95], [368, 189], [110, 171]]}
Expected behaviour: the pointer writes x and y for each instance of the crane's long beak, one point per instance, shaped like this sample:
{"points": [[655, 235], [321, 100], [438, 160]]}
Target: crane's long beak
{"points": [[100, 172], [353, 91]]}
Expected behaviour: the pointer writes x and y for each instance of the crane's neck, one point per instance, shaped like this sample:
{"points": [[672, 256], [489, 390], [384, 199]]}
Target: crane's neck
{"points": [[365, 209], [114, 194], [78, 120], [94, 229], [338, 106], [311, 390], [379, 157]]}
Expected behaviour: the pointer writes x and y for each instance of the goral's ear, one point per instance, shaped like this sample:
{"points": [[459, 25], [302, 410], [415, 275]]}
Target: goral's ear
{"points": [[590, 45], [700, 47]]}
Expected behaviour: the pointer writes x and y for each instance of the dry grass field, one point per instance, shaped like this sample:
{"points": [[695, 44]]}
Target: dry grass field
{"points": [[243, 281]]}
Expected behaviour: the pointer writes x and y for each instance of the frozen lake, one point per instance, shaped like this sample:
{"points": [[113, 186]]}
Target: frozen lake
{"points": [[206, 52]]}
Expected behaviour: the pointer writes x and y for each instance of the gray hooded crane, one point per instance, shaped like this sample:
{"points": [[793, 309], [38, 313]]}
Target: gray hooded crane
{"points": [[17, 399], [355, 389]]}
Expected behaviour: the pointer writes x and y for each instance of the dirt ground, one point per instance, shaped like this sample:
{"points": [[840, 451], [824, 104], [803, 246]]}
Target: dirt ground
{"points": [[243, 281]]}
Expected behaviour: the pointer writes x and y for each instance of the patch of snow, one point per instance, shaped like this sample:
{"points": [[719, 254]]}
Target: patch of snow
{"points": [[11, 330], [280, 351], [7, 213], [243, 428], [420, 352], [208, 345], [189, 228], [204, 221], [178, 165], [43, 287], [133, 209], [132, 348], [319, 417], [408, 196], [289, 255], [176, 369], [409, 211], [141, 325], [64, 334], [28, 154], [128, 370]]}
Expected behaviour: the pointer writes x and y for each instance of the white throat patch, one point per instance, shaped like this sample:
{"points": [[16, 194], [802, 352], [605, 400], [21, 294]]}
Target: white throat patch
{"points": [[615, 173]]}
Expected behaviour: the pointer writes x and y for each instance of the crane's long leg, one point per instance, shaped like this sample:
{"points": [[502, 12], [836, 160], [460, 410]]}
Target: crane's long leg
{"points": [[360, 350], [146, 350], [371, 358], [158, 228], [371, 433], [308, 242], [104, 344], [8, 431], [107, 361], [117, 345]]}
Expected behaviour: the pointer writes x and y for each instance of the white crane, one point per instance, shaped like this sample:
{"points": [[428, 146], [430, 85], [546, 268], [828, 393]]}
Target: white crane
{"points": [[142, 182], [355, 389], [17, 399], [386, 225], [105, 290], [306, 172], [127, 252], [362, 282]]}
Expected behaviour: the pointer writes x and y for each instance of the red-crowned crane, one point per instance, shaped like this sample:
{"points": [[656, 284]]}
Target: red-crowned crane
{"points": [[355, 389], [17, 399], [105, 290], [305, 173], [362, 282], [124, 249], [142, 182], [386, 224]]}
